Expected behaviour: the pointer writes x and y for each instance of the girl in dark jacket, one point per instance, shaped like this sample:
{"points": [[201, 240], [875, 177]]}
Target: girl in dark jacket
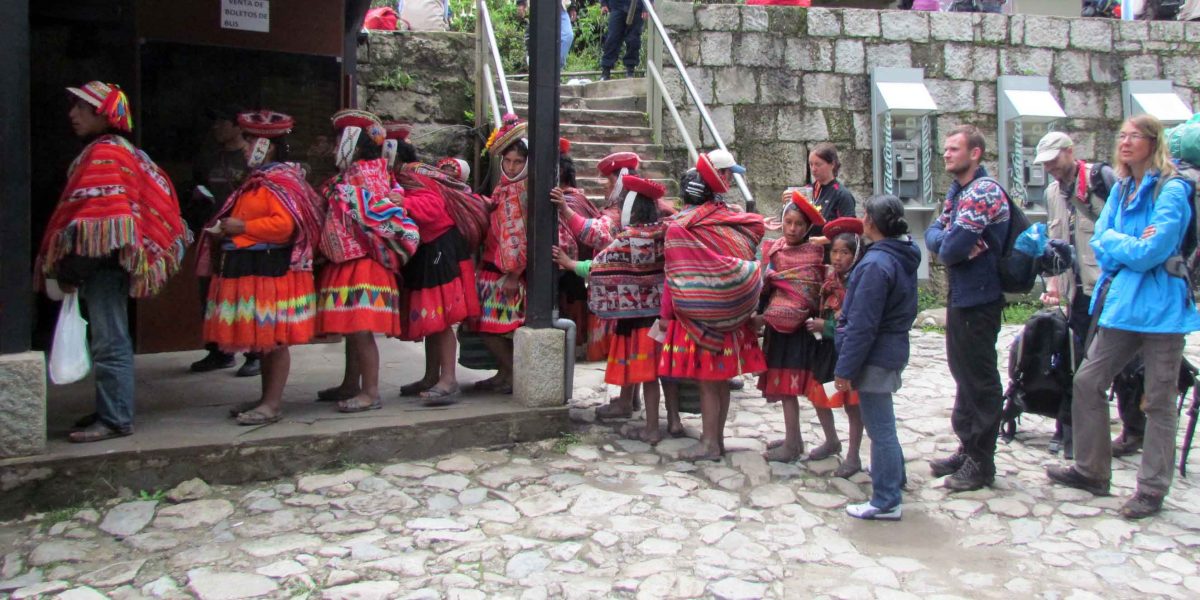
{"points": [[872, 340]]}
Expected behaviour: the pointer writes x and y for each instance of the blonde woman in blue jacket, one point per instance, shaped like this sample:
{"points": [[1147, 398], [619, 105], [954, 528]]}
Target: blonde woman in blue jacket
{"points": [[1142, 304]]}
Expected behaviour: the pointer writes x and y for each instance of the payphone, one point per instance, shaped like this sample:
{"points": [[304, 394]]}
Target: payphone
{"points": [[1026, 112], [1155, 97]]}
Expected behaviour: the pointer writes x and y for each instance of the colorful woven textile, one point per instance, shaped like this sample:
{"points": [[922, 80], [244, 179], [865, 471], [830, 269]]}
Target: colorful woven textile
{"points": [[632, 358], [794, 275], [682, 358], [568, 242], [117, 201], [833, 293], [468, 210], [503, 310], [363, 220], [626, 279], [358, 295], [507, 244], [260, 313], [711, 273], [286, 182]]}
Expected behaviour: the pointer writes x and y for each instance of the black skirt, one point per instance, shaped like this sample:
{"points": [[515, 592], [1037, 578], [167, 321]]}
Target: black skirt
{"points": [[800, 351], [273, 262], [436, 263]]}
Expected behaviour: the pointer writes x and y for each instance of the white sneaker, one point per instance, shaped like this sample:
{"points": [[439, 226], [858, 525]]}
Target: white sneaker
{"points": [[870, 512]]}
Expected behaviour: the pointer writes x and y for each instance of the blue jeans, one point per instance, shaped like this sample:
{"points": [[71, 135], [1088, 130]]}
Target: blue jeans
{"points": [[106, 293], [887, 458], [566, 38]]}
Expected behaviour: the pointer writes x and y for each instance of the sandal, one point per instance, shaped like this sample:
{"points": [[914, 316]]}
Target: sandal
{"points": [[416, 388], [824, 451], [609, 411], [97, 432], [642, 435], [257, 417], [343, 407], [698, 451], [847, 469], [244, 407], [436, 396], [334, 394], [486, 385]]}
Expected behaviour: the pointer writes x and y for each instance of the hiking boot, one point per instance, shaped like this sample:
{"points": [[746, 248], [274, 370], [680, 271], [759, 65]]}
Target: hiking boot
{"points": [[945, 466], [605, 74], [1070, 477], [970, 476], [1141, 506], [215, 360], [252, 367], [1126, 445]]}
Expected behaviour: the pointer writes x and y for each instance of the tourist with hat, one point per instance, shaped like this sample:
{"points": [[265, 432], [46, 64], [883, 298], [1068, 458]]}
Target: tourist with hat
{"points": [[501, 278], [873, 347], [625, 283], [793, 269], [115, 234], [258, 250], [844, 248], [712, 287], [367, 239]]}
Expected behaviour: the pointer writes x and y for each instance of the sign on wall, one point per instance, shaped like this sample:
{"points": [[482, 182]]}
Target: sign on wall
{"points": [[247, 15]]}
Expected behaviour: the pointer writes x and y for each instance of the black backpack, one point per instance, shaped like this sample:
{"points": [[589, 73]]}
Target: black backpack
{"points": [[1100, 181], [1161, 10], [1018, 271], [1041, 367]]}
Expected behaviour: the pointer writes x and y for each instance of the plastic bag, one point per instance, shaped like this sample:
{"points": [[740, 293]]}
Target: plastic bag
{"points": [[70, 360], [1032, 241]]}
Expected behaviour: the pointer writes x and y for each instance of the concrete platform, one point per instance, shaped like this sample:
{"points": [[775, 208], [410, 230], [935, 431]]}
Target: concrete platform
{"points": [[183, 429]]}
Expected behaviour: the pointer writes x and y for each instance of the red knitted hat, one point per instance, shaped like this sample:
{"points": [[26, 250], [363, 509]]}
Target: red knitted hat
{"points": [[368, 122], [809, 211], [265, 123], [650, 189], [710, 175], [397, 130], [564, 145], [613, 163], [842, 225]]}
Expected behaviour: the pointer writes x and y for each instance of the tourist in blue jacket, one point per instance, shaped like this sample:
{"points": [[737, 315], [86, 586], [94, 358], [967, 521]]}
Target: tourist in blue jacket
{"points": [[872, 340], [1144, 305]]}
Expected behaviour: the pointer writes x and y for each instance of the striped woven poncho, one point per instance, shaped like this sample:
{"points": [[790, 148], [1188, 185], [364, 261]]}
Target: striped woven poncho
{"points": [[711, 273]]}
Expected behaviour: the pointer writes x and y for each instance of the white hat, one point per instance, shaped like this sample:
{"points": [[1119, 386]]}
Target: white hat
{"points": [[1051, 144], [723, 159]]}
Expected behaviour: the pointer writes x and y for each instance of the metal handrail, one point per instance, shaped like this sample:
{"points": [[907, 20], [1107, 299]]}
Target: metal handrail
{"points": [[656, 77], [485, 18], [660, 87]]}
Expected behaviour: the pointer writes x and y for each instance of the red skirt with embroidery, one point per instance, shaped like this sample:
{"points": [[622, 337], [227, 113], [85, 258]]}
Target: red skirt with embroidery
{"points": [[503, 310], [632, 357], [257, 304], [599, 338], [683, 359], [439, 288], [357, 295]]}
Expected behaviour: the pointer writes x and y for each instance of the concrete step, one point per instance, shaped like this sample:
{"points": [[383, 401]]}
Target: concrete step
{"points": [[619, 118], [634, 103], [604, 133], [585, 145], [596, 89]]}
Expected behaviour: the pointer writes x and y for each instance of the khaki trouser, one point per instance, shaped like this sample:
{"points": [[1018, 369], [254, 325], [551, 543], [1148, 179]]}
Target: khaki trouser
{"points": [[1110, 351]]}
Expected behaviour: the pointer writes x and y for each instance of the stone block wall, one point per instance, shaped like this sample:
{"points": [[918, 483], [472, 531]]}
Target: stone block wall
{"points": [[426, 78], [778, 80]]}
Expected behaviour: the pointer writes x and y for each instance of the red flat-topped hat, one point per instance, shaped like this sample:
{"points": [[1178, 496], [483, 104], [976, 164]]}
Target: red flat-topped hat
{"points": [[397, 130], [709, 174], [807, 209], [618, 160], [265, 123], [842, 225], [511, 129], [650, 189], [108, 100], [564, 145], [368, 122]]}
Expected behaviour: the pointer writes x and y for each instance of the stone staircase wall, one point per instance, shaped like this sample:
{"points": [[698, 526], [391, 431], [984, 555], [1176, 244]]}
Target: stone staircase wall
{"points": [[779, 79]]}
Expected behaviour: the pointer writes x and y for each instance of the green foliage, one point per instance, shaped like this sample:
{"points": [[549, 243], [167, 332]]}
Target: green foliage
{"points": [[927, 299], [1017, 313], [589, 37], [152, 495], [566, 441], [396, 80], [938, 329], [57, 516]]}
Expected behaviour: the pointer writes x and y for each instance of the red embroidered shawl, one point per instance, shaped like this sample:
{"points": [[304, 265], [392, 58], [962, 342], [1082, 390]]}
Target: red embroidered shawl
{"points": [[363, 221], [794, 275], [468, 210], [507, 245]]}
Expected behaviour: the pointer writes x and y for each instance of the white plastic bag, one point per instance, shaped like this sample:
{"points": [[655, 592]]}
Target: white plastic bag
{"points": [[70, 360]]}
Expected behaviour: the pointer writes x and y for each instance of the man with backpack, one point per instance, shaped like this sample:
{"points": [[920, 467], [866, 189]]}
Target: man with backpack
{"points": [[1074, 200], [969, 238]]}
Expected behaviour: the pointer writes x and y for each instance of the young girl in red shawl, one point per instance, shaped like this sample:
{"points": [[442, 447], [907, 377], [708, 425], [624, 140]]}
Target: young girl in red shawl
{"points": [[844, 235], [368, 238], [793, 270], [258, 249]]}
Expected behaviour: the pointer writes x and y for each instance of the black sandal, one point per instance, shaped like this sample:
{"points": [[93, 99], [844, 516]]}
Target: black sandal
{"points": [[97, 432], [358, 406]]}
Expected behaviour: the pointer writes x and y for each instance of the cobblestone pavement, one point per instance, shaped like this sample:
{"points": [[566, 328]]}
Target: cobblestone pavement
{"points": [[596, 515]]}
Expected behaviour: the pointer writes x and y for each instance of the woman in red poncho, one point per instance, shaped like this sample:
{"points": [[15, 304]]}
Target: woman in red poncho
{"points": [[368, 238], [258, 249]]}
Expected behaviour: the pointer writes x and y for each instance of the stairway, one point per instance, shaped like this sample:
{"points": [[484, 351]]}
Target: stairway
{"points": [[600, 118]]}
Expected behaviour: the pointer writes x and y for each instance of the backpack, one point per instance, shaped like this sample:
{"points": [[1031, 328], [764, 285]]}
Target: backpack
{"points": [[1161, 10], [1041, 367], [1102, 8], [1187, 263], [1100, 181], [1018, 271]]}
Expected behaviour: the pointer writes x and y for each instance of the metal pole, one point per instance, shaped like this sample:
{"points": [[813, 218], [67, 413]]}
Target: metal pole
{"points": [[486, 17], [540, 273], [661, 88], [16, 294]]}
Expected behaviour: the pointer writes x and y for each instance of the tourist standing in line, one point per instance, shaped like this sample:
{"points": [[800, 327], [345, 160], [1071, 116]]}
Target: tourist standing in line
{"points": [[712, 288], [367, 239], [1138, 243], [258, 251], [115, 234], [625, 21], [873, 350], [968, 237], [793, 269]]}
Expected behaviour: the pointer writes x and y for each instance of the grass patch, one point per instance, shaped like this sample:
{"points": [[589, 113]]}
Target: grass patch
{"points": [[152, 495], [566, 441], [938, 329], [54, 517], [1017, 313], [926, 299]]}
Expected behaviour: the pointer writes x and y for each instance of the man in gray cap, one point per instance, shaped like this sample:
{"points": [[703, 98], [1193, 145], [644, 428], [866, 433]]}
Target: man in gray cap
{"points": [[1074, 200]]}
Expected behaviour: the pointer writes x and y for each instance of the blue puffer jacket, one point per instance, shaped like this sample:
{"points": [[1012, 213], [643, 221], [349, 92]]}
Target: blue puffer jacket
{"points": [[880, 306], [1142, 296]]}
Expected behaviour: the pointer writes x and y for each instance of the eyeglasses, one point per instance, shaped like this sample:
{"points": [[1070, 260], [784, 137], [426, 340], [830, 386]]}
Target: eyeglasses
{"points": [[1133, 137]]}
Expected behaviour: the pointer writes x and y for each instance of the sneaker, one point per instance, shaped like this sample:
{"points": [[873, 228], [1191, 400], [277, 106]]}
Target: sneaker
{"points": [[605, 74], [1071, 477], [870, 512], [970, 476], [252, 368], [946, 466], [215, 360], [1141, 506], [629, 73], [1126, 445]]}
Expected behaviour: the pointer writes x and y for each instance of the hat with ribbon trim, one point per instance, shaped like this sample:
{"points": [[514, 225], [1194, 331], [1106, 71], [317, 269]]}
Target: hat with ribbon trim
{"points": [[265, 123], [365, 121], [617, 161], [708, 172], [842, 225], [632, 187], [511, 129], [109, 100], [806, 208], [397, 130]]}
